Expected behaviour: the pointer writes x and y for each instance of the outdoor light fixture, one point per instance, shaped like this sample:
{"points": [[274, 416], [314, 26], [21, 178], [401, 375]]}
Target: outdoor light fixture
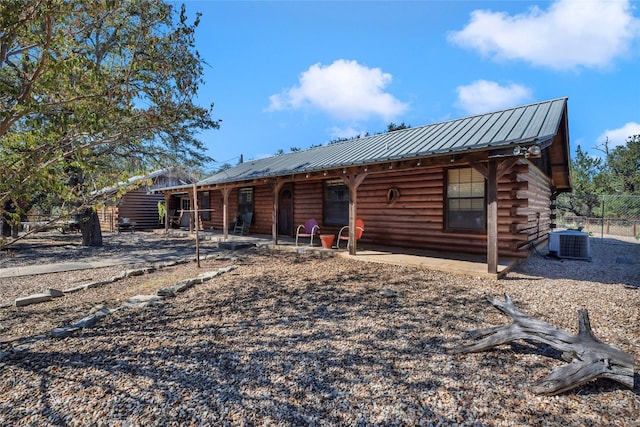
{"points": [[533, 150]]}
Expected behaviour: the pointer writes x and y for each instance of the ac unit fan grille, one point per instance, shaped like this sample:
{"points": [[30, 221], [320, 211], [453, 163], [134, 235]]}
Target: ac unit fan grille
{"points": [[574, 246]]}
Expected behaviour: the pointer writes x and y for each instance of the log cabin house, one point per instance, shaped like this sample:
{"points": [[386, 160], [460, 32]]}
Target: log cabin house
{"points": [[483, 184], [137, 201]]}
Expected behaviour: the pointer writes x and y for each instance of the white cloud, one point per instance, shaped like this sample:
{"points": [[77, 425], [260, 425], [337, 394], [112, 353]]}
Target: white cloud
{"points": [[344, 89], [569, 34], [483, 96], [619, 136], [346, 132]]}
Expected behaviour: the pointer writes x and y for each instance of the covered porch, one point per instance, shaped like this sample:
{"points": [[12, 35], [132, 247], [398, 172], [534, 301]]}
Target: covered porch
{"points": [[450, 262]]}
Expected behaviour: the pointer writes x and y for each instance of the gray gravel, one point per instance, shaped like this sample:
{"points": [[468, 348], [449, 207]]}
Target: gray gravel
{"points": [[298, 339]]}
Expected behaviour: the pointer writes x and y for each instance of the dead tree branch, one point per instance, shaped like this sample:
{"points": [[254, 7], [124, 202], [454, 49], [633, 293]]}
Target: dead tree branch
{"points": [[588, 357]]}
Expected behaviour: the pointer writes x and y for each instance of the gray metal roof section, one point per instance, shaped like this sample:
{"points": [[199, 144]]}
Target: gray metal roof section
{"points": [[539, 121]]}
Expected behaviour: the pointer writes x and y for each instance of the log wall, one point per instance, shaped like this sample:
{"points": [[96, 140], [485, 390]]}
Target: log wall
{"points": [[307, 204], [216, 202], [415, 219], [537, 213], [136, 205]]}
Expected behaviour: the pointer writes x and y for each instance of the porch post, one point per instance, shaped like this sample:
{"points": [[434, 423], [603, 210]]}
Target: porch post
{"points": [[353, 182], [277, 186], [225, 212], [197, 223], [492, 216], [167, 196]]}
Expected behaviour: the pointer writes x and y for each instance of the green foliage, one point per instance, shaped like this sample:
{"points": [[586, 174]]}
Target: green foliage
{"points": [[93, 92], [162, 211], [617, 174], [392, 126], [623, 165], [586, 171]]}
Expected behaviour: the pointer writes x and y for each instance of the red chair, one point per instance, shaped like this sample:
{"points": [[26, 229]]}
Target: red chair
{"points": [[358, 233], [308, 229]]}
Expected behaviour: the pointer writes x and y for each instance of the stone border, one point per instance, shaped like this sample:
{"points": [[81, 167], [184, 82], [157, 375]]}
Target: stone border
{"points": [[50, 293], [100, 311], [138, 301]]}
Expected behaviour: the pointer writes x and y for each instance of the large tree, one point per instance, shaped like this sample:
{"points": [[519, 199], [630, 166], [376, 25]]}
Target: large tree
{"points": [[586, 172], [623, 164], [92, 91]]}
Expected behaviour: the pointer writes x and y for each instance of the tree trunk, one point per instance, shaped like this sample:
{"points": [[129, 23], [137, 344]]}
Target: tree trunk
{"points": [[588, 357], [90, 227]]}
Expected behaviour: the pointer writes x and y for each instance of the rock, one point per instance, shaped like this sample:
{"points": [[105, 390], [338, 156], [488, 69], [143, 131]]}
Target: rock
{"points": [[87, 322], [140, 301], [388, 293], [98, 283], [136, 272], [75, 289], [185, 284], [33, 299], [166, 292], [208, 275], [122, 275], [62, 332], [55, 293], [100, 310]]}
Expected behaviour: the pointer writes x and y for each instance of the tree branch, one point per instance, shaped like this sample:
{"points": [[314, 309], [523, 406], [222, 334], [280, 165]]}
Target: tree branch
{"points": [[589, 357]]}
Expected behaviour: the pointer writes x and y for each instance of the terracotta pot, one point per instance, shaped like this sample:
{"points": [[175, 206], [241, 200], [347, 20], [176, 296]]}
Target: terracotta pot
{"points": [[327, 240]]}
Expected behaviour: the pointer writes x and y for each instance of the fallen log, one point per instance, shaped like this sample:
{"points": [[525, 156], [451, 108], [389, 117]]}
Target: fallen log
{"points": [[588, 357]]}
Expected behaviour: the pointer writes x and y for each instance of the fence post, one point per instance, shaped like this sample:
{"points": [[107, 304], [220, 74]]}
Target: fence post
{"points": [[602, 219]]}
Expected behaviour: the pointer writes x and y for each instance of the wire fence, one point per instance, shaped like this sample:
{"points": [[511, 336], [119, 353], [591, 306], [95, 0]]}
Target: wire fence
{"points": [[600, 215]]}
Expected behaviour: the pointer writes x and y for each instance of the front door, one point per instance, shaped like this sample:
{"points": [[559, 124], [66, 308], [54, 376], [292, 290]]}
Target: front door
{"points": [[185, 204], [285, 211]]}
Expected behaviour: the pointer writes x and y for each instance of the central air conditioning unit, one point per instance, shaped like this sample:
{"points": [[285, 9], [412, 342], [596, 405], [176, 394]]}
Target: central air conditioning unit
{"points": [[570, 244]]}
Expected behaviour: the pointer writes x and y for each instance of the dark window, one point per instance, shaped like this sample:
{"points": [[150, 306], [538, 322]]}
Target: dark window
{"points": [[205, 203], [465, 199], [245, 201], [336, 203]]}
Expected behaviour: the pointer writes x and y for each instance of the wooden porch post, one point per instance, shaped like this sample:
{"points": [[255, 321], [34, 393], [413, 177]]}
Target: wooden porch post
{"points": [[277, 186], [353, 182], [225, 212], [197, 223], [167, 196], [492, 172], [492, 216]]}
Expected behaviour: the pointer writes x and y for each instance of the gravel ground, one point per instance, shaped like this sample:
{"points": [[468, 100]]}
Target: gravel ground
{"points": [[302, 339]]}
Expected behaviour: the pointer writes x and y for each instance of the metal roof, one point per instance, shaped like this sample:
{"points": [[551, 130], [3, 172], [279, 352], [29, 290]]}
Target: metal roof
{"points": [[539, 121]]}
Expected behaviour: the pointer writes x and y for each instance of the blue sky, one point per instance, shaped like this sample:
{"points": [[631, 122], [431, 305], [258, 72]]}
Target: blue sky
{"points": [[302, 73]]}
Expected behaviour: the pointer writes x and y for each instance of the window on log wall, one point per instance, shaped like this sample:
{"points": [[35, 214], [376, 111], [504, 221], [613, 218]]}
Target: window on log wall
{"points": [[466, 205], [336, 203], [205, 204], [245, 201]]}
